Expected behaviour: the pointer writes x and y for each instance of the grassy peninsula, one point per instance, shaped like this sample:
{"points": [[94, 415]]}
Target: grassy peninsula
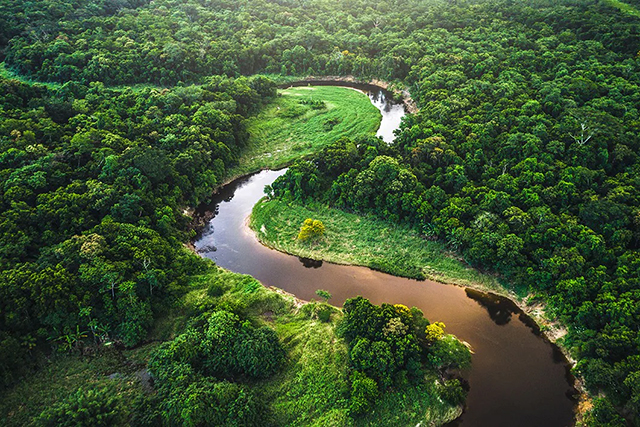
{"points": [[303, 120], [363, 240]]}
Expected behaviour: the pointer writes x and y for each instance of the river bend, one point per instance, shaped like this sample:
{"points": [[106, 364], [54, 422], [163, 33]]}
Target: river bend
{"points": [[517, 377]]}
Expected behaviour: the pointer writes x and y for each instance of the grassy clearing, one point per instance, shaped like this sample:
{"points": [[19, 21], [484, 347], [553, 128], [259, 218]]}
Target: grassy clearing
{"points": [[311, 390], [62, 375], [367, 241], [288, 129]]}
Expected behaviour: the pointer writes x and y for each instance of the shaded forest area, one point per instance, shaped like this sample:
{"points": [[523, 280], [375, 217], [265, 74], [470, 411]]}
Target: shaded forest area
{"points": [[523, 157]]}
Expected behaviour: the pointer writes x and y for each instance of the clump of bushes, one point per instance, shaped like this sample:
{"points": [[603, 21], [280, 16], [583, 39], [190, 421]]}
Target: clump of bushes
{"points": [[199, 373], [315, 104], [391, 345], [86, 407], [329, 124]]}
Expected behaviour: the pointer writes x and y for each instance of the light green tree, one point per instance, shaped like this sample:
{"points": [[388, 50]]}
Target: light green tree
{"points": [[311, 229]]}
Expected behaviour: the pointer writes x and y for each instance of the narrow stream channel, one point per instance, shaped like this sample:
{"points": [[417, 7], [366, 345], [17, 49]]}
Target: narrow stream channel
{"points": [[517, 378]]}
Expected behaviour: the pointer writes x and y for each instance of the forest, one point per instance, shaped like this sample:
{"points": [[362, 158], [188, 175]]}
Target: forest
{"points": [[117, 115]]}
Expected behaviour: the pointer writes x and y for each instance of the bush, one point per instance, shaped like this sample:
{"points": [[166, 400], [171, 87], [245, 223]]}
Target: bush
{"points": [[448, 352], [325, 295], [227, 348], [452, 392], [215, 289], [364, 391], [324, 314], [311, 229], [92, 407], [208, 403], [603, 414]]}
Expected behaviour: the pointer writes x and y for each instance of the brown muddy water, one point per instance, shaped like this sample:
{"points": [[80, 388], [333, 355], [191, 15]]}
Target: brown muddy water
{"points": [[517, 377]]}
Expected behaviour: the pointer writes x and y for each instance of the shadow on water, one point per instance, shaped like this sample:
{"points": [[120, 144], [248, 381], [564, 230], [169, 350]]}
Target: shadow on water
{"points": [[500, 309], [310, 263]]}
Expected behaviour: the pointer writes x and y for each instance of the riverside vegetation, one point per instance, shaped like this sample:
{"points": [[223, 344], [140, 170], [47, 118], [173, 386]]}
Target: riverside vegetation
{"points": [[522, 158], [229, 352], [362, 240]]}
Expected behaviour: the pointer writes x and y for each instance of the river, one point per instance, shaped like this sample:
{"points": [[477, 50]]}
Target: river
{"points": [[517, 377]]}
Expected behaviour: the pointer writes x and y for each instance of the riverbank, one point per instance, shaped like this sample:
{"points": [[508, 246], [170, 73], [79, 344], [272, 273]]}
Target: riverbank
{"points": [[351, 239], [366, 241]]}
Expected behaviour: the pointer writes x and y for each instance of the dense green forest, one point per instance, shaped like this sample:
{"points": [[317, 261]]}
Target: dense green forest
{"points": [[93, 182], [523, 156]]}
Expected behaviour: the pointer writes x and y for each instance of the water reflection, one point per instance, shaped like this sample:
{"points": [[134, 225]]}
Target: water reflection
{"points": [[499, 309], [310, 263]]}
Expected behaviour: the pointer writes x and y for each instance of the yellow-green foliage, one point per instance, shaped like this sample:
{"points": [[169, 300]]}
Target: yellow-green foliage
{"points": [[434, 331], [311, 229]]}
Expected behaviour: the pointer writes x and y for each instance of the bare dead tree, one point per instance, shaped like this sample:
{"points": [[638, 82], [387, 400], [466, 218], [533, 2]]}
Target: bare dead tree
{"points": [[585, 134]]}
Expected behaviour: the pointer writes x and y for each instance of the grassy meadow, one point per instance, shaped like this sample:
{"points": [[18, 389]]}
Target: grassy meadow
{"points": [[366, 241], [301, 121]]}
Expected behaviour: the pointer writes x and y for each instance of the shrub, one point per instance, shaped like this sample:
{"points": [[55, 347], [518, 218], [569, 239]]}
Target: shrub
{"points": [[311, 229], [434, 331], [324, 313], [92, 407], [215, 289], [325, 295], [364, 390], [205, 402], [448, 352], [452, 392], [227, 348]]}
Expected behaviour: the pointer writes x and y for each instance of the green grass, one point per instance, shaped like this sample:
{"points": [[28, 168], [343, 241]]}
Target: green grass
{"points": [[624, 7], [366, 241], [286, 129], [311, 390]]}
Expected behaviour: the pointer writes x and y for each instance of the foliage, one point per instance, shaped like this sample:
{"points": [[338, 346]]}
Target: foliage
{"points": [[93, 191], [325, 295], [603, 414], [225, 348], [206, 402], [434, 332], [364, 390], [276, 140], [453, 392], [523, 157], [449, 353], [388, 344], [355, 239], [193, 371], [91, 407], [311, 229]]}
